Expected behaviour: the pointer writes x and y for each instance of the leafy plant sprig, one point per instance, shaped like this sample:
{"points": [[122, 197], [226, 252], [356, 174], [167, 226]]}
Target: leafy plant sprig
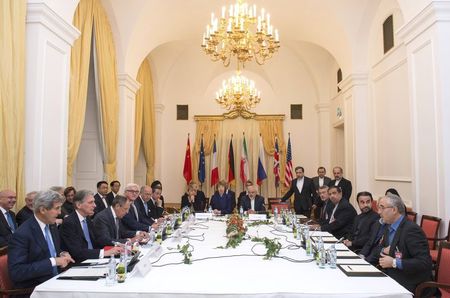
{"points": [[184, 250], [272, 245], [258, 223]]}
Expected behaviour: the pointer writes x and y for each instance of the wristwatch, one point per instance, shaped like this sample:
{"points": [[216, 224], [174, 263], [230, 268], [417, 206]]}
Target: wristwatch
{"points": [[394, 263]]}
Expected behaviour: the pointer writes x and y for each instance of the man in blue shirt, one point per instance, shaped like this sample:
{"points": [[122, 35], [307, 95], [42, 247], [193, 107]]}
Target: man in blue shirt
{"points": [[405, 256]]}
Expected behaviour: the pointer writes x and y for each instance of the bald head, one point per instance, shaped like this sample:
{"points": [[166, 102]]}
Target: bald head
{"points": [[7, 199]]}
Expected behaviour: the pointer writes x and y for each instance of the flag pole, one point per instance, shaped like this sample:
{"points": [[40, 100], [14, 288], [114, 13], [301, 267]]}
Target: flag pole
{"points": [[243, 182]]}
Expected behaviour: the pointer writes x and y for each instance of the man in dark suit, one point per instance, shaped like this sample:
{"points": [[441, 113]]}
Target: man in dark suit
{"points": [[77, 231], [341, 219], [365, 222], [133, 219], [8, 224], [319, 180], [253, 203], [303, 189], [405, 256], [155, 203], [143, 208], [343, 183], [101, 201], [27, 211], [158, 184], [243, 194], [325, 206], [34, 253], [115, 187], [108, 226]]}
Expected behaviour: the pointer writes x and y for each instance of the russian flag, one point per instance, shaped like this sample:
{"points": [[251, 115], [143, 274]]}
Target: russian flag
{"points": [[262, 174]]}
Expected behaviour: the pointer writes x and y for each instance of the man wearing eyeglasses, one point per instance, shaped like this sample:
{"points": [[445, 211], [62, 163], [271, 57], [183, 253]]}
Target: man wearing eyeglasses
{"points": [[8, 223], [133, 220], [405, 255]]}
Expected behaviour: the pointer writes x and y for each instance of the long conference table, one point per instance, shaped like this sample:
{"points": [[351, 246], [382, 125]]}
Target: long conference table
{"points": [[231, 272]]}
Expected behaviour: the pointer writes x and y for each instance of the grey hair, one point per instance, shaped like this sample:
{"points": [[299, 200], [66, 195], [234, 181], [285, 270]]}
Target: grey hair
{"points": [[59, 189], [324, 187], [131, 185], [81, 195], [396, 202], [46, 199], [31, 193], [119, 200]]}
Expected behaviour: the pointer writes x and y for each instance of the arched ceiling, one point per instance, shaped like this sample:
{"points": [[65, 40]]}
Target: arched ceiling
{"points": [[340, 27]]}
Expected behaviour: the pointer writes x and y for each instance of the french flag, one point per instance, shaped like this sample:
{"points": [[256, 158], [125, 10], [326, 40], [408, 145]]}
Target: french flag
{"points": [[214, 167], [262, 174]]}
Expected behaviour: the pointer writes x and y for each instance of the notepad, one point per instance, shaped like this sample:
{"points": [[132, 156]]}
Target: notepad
{"points": [[347, 254], [360, 270], [84, 272], [325, 239], [356, 261]]}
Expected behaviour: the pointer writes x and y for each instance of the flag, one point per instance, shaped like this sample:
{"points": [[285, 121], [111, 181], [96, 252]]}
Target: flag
{"points": [[231, 162], [187, 169], [276, 163], [288, 172], [214, 168], [261, 163], [201, 163], [244, 171]]}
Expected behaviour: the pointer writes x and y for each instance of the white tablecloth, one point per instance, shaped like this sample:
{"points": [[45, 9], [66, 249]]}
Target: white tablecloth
{"points": [[249, 276]]}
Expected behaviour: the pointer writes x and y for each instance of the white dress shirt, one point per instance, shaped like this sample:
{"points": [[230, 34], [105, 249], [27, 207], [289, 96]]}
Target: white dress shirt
{"points": [[42, 226], [321, 181], [81, 218], [300, 184]]}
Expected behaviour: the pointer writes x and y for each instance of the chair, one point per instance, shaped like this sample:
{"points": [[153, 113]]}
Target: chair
{"points": [[434, 252], [411, 216], [6, 286], [272, 201], [430, 226], [442, 273], [280, 206], [206, 203]]}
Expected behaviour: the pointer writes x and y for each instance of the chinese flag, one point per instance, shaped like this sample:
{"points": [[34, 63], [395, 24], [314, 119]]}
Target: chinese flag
{"points": [[187, 170]]}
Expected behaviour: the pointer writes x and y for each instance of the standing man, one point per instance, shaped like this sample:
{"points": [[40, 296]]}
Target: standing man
{"points": [[8, 223], [341, 219], [34, 253], [115, 187], [321, 179], [253, 203], [77, 230], [101, 202], [303, 189], [406, 255], [343, 183], [27, 211], [365, 223]]}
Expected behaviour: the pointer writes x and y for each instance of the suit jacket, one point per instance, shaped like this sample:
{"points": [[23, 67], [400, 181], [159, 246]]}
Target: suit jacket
{"points": [[105, 229], [155, 211], [363, 226], [110, 198], [73, 240], [199, 202], [222, 203], [28, 255], [144, 217], [66, 209], [132, 220], [370, 251], [259, 204], [5, 230], [302, 199], [99, 205], [239, 199], [345, 185], [326, 181], [412, 243], [232, 196], [325, 211], [24, 214], [343, 220]]}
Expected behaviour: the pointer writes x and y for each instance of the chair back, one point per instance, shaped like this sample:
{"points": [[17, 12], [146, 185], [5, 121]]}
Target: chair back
{"points": [[430, 226], [272, 201], [5, 281], [280, 206], [206, 203], [411, 216], [443, 263]]}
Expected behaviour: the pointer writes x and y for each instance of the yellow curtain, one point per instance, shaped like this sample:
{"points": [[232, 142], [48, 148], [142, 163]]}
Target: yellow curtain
{"points": [[269, 129], [12, 95], [107, 81], [207, 128], [79, 74], [147, 106], [140, 97]]}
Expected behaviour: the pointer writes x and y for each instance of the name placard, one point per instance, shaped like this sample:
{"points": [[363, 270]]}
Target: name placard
{"points": [[203, 216], [257, 217], [143, 267]]}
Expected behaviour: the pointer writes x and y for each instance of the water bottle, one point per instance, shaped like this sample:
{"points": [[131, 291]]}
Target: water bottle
{"points": [[111, 275], [308, 245], [333, 256], [210, 209], [321, 256], [294, 230], [126, 253], [275, 214], [241, 212]]}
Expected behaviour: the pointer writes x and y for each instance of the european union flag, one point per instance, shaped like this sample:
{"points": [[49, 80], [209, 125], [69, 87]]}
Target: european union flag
{"points": [[201, 164]]}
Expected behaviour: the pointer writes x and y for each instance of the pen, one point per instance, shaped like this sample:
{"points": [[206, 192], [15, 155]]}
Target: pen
{"points": [[350, 268]]}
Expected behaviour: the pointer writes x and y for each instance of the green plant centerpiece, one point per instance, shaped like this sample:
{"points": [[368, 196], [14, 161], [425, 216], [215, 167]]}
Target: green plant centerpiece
{"points": [[235, 231], [272, 245]]}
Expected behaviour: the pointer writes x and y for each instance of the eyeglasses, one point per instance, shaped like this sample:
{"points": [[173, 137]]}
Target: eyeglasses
{"points": [[133, 191], [381, 207]]}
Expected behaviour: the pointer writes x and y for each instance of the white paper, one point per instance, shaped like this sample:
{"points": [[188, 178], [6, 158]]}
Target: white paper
{"points": [[72, 272], [352, 261], [360, 268], [347, 253], [257, 217]]}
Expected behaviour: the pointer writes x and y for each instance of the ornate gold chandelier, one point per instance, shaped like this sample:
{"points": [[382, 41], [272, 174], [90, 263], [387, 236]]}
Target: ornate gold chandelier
{"points": [[238, 94], [240, 32]]}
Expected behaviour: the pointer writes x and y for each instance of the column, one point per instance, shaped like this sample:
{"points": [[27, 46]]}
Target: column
{"points": [[323, 111], [49, 39], [356, 128], [427, 47], [159, 109], [125, 150]]}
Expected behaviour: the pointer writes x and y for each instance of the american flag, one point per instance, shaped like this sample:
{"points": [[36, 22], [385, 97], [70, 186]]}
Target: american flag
{"points": [[276, 163], [288, 172]]}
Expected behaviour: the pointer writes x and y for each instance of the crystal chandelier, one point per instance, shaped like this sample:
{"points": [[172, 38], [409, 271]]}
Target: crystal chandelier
{"points": [[238, 94], [240, 32]]}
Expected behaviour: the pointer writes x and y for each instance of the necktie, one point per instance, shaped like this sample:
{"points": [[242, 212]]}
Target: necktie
{"points": [[135, 212], [51, 246], [117, 228], [86, 233], [10, 221], [391, 235], [104, 202], [146, 208]]}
